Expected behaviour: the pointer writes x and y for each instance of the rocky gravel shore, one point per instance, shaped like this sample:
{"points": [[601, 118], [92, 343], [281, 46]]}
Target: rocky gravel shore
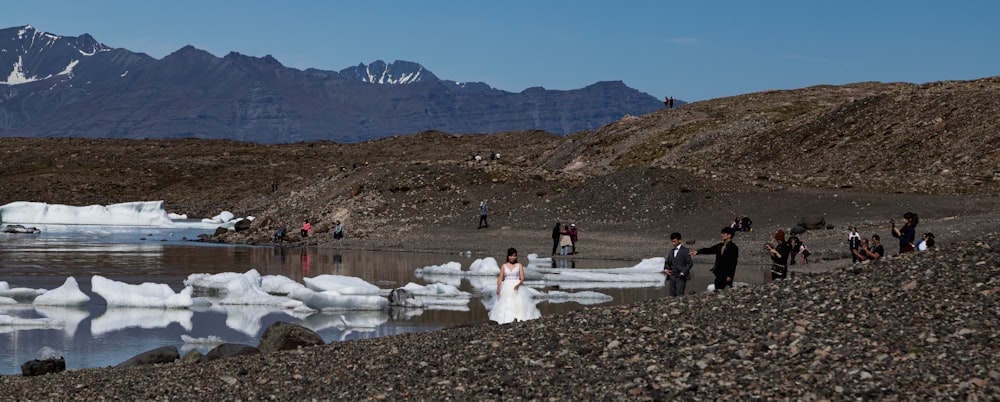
{"points": [[921, 326]]}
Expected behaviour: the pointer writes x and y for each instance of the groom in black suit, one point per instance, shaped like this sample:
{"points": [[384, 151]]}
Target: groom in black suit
{"points": [[678, 265]]}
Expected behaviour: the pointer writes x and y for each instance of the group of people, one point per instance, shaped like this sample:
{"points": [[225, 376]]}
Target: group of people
{"points": [[863, 250], [564, 239], [493, 156], [306, 230]]}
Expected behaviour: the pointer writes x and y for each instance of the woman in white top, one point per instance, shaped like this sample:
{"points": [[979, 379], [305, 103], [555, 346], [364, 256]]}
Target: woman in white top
{"points": [[513, 302]]}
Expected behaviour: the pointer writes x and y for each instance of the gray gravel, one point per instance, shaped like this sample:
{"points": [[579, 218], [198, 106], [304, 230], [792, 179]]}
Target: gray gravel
{"points": [[917, 327]]}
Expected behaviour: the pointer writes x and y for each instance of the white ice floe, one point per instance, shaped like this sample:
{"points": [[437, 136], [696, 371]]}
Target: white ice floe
{"points": [[534, 259], [480, 267], [246, 290], [448, 268], [19, 294], [222, 217], [150, 295], [208, 342], [439, 296], [213, 282], [332, 300], [647, 273], [139, 213], [120, 318], [20, 322], [345, 285], [69, 294], [278, 284], [7, 300], [584, 297], [711, 286]]}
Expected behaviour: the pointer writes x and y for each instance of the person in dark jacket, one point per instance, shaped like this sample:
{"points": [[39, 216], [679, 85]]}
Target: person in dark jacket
{"points": [[726, 257], [677, 265], [556, 233], [779, 255]]}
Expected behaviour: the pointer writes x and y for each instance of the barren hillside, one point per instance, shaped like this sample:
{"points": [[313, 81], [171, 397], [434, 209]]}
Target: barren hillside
{"points": [[639, 173]]}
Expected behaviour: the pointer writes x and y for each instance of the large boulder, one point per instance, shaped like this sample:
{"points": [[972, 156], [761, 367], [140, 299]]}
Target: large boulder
{"points": [[227, 350], [242, 224], [165, 354], [39, 367], [812, 222], [285, 336]]}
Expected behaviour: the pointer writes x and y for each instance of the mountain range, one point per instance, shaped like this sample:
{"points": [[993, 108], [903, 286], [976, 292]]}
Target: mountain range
{"points": [[61, 86]]}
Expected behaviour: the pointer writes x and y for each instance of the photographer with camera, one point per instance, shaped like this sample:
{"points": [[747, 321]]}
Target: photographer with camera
{"points": [[906, 234], [779, 255]]}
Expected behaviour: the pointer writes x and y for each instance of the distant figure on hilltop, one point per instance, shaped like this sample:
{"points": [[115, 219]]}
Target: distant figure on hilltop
{"points": [[668, 102]]}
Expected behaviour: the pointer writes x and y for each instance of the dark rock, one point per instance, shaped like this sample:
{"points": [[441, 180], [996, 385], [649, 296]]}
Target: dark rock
{"points": [[221, 231], [399, 296], [192, 356], [164, 354], [227, 350], [798, 230], [285, 336], [812, 222], [40, 367], [242, 225]]}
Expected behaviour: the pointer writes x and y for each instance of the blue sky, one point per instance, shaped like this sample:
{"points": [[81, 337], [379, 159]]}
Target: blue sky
{"points": [[691, 50]]}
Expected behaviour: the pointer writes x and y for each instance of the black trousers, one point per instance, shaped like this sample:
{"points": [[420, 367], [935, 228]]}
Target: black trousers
{"points": [[722, 283], [483, 221]]}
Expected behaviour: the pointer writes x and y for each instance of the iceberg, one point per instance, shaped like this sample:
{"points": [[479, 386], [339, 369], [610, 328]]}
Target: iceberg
{"points": [[439, 296], [155, 295], [245, 290], [19, 294], [345, 285], [69, 294], [328, 300], [278, 284], [138, 213], [143, 213]]}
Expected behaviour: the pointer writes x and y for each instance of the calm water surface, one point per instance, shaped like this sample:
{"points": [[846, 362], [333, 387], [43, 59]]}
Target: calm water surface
{"points": [[97, 337]]}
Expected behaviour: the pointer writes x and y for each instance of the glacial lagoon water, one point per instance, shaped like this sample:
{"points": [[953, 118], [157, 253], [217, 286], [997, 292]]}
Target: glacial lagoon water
{"points": [[98, 336]]}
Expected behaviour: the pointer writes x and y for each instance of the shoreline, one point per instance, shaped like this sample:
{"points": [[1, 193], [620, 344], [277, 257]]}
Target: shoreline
{"points": [[826, 336]]}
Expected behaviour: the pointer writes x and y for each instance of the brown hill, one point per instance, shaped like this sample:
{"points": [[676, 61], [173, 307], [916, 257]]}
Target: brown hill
{"points": [[775, 155]]}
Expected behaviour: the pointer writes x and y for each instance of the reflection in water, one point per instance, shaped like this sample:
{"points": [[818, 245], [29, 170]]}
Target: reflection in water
{"points": [[117, 319], [98, 336]]}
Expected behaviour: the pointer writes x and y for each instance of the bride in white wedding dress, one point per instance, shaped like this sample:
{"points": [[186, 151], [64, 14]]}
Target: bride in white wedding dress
{"points": [[513, 303]]}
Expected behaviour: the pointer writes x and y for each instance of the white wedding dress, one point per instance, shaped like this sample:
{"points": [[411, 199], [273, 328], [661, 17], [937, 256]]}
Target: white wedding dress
{"points": [[513, 304]]}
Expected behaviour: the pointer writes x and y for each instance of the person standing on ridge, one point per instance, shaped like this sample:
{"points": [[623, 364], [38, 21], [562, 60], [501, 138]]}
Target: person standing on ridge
{"points": [[726, 257]]}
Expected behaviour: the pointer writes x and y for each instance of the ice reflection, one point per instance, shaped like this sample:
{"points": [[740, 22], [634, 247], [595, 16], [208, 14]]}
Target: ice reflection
{"points": [[121, 318]]}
